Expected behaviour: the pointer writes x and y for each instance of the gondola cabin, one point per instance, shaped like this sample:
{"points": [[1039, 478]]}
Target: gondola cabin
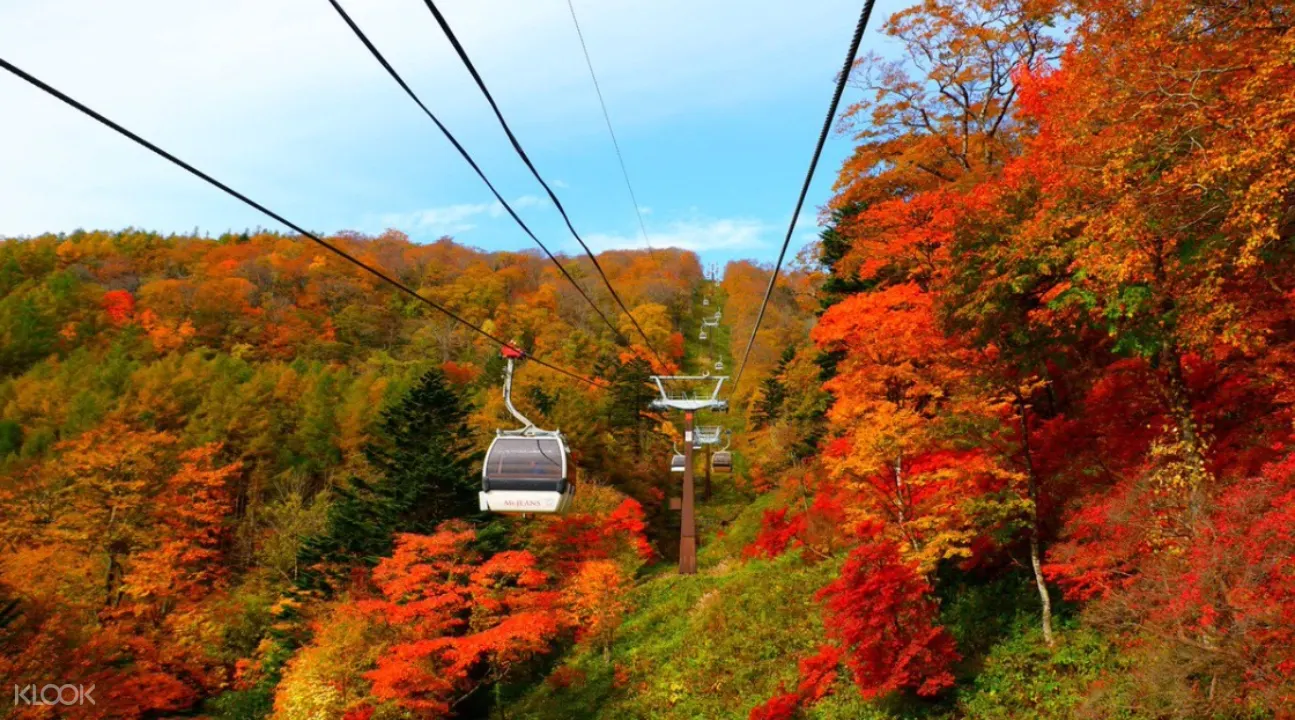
{"points": [[677, 463], [527, 473], [722, 461]]}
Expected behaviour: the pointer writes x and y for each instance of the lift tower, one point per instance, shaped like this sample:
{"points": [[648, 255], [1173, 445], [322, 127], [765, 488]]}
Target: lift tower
{"points": [[707, 437], [688, 393]]}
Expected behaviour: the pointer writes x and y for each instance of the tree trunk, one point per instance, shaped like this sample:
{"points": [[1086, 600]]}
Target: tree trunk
{"points": [[899, 488], [112, 582], [901, 502], [1046, 610], [1180, 408], [1179, 401], [707, 492], [1036, 563], [499, 704]]}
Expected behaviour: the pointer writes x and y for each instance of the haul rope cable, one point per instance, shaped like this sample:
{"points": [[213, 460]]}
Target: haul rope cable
{"points": [[809, 176], [467, 62], [248, 201], [471, 162]]}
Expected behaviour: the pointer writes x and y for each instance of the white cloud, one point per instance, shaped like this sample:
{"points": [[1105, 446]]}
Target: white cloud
{"points": [[695, 235], [453, 219], [644, 210], [530, 201], [807, 221], [277, 98], [447, 220]]}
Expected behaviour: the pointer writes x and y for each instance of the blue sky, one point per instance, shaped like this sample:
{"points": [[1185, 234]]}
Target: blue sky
{"points": [[717, 105]]}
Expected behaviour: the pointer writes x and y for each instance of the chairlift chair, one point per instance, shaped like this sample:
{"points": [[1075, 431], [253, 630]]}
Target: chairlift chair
{"points": [[705, 301], [526, 470], [722, 460], [677, 461], [707, 435], [678, 393], [702, 335], [719, 364]]}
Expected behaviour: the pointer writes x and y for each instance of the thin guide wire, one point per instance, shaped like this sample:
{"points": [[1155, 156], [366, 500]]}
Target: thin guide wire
{"points": [[19, 72], [517, 146]]}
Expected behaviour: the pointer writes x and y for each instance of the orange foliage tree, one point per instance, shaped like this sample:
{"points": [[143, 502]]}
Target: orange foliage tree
{"points": [[460, 621], [1072, 278]]}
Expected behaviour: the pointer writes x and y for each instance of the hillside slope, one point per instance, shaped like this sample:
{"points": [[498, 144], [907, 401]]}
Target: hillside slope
{"points": [[722, 642]]}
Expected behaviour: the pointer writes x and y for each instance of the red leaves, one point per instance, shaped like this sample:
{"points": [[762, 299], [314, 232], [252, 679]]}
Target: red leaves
{"points": [[424, 580], [1266, 608], [119, 305], [627, 522], [817, 674], [577, 538], [776, 534], [460, 373], [1037, 89], [895, 323], [1220, 592], [460, 620], [675, 348], [821, 528], [565, 677], [191, 516], [880, 610], [780, 707], [139, 693], [364, 712]]}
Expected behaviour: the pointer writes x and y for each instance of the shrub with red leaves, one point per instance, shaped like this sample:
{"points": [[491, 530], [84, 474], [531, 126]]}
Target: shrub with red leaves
{"points": [[119, 305], [817, 673], [777, 533], [881, 610]]}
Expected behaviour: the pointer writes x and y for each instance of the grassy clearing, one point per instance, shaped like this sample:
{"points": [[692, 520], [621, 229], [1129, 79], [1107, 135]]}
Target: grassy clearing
{"points": [[711, 645], [715, 644]]}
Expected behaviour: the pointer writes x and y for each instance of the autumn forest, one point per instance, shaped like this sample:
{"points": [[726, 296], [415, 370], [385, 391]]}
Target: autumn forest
{"points": [[1015, 437]]}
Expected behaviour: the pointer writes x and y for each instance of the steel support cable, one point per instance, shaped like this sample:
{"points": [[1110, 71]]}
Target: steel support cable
{"points": [[607, 117], [809, 176], [466, 156], [517, 146], [270, 213]]}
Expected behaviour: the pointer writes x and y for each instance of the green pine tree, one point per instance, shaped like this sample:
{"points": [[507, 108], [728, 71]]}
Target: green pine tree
{"points": [[630, 394], [833, 247], [27, 332], [772, 392], [425, 460]]}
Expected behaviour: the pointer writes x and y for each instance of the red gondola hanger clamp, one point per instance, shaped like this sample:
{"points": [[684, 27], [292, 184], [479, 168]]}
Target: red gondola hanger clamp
{"points": [[512, 352]]}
